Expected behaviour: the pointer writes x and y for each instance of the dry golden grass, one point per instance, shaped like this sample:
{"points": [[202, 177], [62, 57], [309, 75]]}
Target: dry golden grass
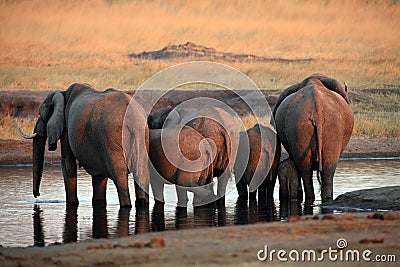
{"points": [[8, 127], [50, 44]]}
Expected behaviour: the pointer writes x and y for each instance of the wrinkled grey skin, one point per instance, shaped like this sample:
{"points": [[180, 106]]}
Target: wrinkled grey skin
{"points": [[225, 138], [289, 181], [176, 169], [89, 125], [314, 122], [260, 167]]}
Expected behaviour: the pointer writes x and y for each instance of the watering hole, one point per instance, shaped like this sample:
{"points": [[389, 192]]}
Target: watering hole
{"points": [[26, 221]]}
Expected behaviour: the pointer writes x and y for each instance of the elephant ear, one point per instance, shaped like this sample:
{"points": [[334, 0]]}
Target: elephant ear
{"points": [[172, 119], [288, 91], [56, 123], [335, 86], [228, 146], [40, 127]]}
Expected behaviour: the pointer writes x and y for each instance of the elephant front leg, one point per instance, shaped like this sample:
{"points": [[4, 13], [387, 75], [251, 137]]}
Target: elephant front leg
{"points": [[241, 187], [99, 184], [221, 188], [157, 186], [142, 195], [204, 195], [262, 194], [182, 196], [69, 169]]}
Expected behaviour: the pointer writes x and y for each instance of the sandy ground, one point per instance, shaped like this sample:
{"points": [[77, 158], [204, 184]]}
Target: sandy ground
{"points": [[234, 246]]}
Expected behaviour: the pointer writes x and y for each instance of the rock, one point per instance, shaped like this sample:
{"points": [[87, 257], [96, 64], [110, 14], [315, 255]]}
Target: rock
{"points": [[372, 241], [383, 198], [157, 242], [328, 217], [294, 218]]}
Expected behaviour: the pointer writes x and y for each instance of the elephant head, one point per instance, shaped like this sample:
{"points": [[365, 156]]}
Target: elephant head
{"points": [[50, 125], [289, 181]]}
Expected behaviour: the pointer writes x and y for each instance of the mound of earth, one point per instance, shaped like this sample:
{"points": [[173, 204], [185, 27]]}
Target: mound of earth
{"points": [[383, 198], [192, 50]]}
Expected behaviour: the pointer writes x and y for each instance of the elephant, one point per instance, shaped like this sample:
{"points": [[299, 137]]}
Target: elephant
{"points": [[90, 126], [289, 181], [314, 122], [182, 156], [259, 169], [213, 123]]}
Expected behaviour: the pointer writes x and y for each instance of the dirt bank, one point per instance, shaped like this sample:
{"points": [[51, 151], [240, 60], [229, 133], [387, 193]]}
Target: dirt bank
{"points": [[26, 103], [238, 245], [20, 152]]}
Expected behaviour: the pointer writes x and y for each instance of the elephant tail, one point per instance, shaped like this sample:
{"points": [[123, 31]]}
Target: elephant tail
{"points": [[318, 135]]}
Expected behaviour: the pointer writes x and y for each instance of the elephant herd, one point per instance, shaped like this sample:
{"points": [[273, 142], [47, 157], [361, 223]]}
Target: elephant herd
{"points": [[110, 135]]}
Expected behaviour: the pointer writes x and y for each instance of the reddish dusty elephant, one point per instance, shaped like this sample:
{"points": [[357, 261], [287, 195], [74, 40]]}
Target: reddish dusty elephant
{"points": [[91, 126], [314, 122]]}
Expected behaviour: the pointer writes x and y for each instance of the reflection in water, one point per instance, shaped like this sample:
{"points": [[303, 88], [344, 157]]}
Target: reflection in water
{"points": [[254, 212], [38, 233], [288, 208], [123, 222], [142, 220], [181, 218], [100, 229], [54, 221], [157, 217], [70, 233]]}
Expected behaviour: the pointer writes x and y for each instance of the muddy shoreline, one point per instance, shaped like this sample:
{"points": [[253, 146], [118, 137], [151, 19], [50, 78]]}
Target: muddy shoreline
{"points": [[237, 245]]}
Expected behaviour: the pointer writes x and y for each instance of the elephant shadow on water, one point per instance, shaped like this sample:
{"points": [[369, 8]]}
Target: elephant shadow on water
{"points": [[254, 212], [100, 228], [203, 216]]}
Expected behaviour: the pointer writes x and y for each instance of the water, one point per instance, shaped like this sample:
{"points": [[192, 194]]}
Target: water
{"points": [[26, 221]]}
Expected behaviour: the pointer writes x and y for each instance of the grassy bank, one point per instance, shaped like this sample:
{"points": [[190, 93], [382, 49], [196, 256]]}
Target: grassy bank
{"points": [[51, 44]]}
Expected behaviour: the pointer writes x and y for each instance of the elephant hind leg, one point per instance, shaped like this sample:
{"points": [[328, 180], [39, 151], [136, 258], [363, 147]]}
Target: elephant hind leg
{"points": [[241, 187], [121, 183], [221, 187], [327, 182], [299, 191], [308, 185], [99, 183]]}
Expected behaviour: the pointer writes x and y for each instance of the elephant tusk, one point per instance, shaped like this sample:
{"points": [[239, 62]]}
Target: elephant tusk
{"points": [[26, 136]]}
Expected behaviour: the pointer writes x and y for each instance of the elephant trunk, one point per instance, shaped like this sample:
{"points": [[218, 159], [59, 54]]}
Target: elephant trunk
{"points": [[38, 157], [39, 144]]}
